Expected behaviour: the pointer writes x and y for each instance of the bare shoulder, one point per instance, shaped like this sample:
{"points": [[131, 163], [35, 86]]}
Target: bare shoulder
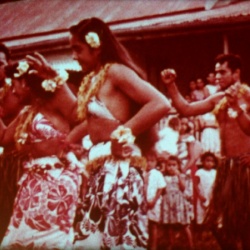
{"points": [[121, 71]]}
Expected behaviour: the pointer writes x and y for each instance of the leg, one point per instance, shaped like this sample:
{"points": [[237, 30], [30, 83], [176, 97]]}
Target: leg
{"points": [[189, 236], [153, 234]]}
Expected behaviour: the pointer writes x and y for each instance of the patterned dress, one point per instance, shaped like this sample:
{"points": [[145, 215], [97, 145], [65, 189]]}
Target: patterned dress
{"points": [[45, 205], [175, 209], [113, 213], [207, 179]]}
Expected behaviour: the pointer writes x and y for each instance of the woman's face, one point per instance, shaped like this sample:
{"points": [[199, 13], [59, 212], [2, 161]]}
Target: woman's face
{"points": [[89, 59]]}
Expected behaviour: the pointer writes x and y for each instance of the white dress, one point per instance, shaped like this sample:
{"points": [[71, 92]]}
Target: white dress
{"points": [[155, 181], [207, 178], [210, 137]]}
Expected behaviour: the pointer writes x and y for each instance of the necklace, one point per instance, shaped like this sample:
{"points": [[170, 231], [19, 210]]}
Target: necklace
{"points": [[89, 87], [223, 103], [27, 115]]}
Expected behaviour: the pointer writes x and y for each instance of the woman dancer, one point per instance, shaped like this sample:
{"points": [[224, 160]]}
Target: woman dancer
{"points": [[45, 205]]}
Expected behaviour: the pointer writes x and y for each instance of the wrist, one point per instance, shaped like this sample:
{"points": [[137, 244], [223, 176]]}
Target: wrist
{"points": [[123, 135]]}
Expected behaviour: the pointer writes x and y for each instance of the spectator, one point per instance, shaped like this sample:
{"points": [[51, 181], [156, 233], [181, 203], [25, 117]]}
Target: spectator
{"points": [[155, 185]]}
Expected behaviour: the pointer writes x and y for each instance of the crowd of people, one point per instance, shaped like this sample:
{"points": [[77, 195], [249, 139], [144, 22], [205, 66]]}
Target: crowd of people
{"points": [[98, 172]]}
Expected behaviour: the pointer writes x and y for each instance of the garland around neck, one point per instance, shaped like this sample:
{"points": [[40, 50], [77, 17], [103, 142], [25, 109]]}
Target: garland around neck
{"points": [[25, 119], [223, 103], [89, 87]]}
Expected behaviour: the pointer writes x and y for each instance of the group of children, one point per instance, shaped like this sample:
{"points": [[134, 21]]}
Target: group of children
{"points": [[169, 204]]}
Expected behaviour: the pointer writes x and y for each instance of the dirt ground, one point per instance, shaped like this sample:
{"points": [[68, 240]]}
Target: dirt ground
{"points": [[202, 240]]}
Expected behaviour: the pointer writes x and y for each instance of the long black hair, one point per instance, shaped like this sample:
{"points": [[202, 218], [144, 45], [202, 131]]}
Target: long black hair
{"points": [[111, 49]]}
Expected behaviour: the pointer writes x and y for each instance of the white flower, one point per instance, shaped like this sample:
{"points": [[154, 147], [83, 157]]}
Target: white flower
{"points": [[22, 68], [123, 135], [232, 113], [49, 85], [62, 77], [8, 81], [22, 139], [93, 40]]}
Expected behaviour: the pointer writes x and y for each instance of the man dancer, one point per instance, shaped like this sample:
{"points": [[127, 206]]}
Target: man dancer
{"points": [[230, 207]]}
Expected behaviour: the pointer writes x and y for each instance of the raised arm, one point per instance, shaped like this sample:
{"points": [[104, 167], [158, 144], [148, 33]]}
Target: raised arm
{"points": [[64, 100], [183, 107]]}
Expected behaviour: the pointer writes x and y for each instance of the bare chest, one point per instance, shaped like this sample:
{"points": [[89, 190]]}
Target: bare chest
{"points": [[234, 141]]}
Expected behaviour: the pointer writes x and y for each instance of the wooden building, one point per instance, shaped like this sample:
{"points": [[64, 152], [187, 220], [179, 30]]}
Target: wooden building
{"points": [[185, 35]]}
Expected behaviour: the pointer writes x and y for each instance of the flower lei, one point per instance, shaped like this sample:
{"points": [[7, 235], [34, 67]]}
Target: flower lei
{"points": [[89, 87], [27, 115], [223, 104]]}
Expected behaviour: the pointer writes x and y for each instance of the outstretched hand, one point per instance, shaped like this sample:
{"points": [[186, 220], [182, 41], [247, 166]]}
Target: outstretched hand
{"points": [[41, 66], [168, 76]]}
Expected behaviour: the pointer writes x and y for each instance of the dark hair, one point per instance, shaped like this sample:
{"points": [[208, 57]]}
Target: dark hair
{"points": [[174, 122], [5, 50], [33, 81], [189, 124], [175, 158], [233, 60], [111, 49], [209, 154]]}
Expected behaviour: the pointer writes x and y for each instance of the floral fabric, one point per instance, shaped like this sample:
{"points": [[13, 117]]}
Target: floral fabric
{"points": [[114, 207], [45, 204]]}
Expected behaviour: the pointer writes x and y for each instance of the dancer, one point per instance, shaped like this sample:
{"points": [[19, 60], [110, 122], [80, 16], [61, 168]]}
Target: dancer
{"points": [[231, 191], [46, 201]]}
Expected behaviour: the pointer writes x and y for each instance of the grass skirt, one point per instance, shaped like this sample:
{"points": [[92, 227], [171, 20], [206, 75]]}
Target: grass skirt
{"points": [[230, 205]]}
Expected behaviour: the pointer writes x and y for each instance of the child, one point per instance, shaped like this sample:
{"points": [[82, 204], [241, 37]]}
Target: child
{"points": [[204, 180], [155, 185], [175, 206]]}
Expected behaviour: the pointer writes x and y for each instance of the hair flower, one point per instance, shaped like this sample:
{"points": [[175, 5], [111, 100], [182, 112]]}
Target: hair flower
{"points": [[49, 85], [52, 84], [22, 68], [93, 40], [123, 135]]}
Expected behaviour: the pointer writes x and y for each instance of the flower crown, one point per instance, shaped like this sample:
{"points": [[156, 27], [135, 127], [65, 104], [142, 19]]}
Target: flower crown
{"points": [[93, 40]]}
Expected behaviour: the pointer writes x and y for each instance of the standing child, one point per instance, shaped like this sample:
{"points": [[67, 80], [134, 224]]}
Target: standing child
{"points": [[175, 206], [155, 185], [204, 181]]}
